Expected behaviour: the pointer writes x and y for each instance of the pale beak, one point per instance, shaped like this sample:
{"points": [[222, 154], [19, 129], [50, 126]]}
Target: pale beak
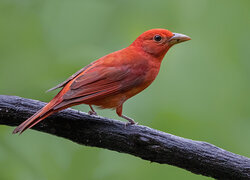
{"points": [[178, 38]]}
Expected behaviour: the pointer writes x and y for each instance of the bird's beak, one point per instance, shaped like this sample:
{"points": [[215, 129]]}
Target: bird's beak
{"points": [[178, 38]]}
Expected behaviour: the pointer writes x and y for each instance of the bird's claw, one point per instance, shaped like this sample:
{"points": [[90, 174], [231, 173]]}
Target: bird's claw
{"points": [[130, 123], [92, 113]]}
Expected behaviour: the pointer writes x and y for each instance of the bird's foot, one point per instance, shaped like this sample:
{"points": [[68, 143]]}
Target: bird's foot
{"points": [[92, 113], [130, 121]]}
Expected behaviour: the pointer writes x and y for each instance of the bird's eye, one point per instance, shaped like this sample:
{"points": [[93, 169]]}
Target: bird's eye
{"points": [[157, 38]]}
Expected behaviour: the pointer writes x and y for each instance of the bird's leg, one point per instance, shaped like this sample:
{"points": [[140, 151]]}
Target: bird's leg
{"points": [[92, 111], [119, 113]]}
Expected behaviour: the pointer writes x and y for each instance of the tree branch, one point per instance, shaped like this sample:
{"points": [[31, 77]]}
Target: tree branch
{"points": [[146, 143]]}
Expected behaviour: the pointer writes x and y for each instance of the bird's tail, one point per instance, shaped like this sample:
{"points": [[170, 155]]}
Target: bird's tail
{"points": [[36, 118]]}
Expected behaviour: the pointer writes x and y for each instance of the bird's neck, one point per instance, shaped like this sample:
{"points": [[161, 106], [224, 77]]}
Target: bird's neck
{"points": [[149, 54]]}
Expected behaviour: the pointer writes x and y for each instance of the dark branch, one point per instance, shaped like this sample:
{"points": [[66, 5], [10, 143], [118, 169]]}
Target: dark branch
{"points": [[146, 143]]}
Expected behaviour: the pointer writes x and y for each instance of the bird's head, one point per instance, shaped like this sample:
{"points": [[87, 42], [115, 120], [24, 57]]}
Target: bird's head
{"points": [[158, 41]]}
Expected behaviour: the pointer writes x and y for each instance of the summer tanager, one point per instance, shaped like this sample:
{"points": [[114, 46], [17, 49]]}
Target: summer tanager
{"points": [[111, 80]]}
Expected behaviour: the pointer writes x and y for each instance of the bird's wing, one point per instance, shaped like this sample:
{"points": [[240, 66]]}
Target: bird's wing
{"points": [[70, 78], [100, 82]]}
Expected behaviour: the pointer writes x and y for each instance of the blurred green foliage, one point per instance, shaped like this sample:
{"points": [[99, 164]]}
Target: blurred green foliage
{"points": [[202, 91]]}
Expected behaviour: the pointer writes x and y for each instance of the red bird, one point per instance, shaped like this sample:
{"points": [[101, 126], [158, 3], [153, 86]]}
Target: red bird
{"points": [[111, 80]]}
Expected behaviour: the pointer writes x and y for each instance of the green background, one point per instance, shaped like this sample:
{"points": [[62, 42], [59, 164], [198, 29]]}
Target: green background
{"points": [[202, 91]]}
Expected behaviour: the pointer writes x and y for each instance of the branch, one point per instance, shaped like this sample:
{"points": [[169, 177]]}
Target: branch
{"points": [[146, 143]]}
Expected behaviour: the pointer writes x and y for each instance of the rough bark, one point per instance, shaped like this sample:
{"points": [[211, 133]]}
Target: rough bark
{"points": [[144, 142]]}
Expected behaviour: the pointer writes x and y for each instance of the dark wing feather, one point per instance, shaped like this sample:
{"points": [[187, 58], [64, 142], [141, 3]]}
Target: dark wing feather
{"points": [[70, 78], [99, 83]]}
